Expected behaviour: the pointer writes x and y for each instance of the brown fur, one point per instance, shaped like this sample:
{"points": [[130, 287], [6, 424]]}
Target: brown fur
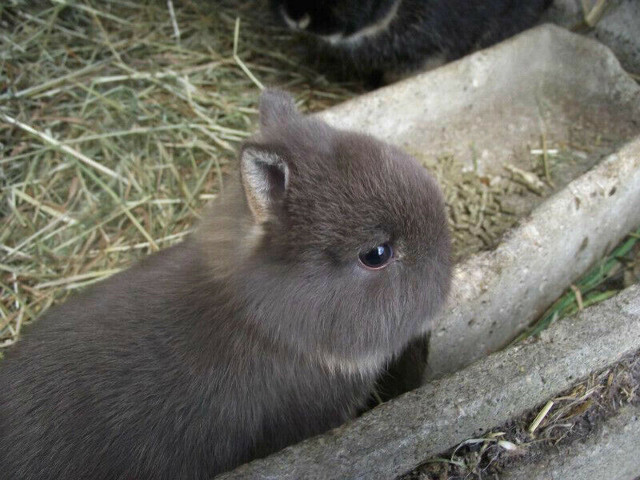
{"points": [[258, 331]]}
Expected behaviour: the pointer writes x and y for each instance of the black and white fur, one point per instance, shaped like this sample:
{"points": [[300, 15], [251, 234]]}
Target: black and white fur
{"points": [[372, 37]]}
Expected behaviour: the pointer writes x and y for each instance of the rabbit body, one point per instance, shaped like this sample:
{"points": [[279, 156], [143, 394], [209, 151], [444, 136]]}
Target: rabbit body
{"points": [[261, 329], [395, 36]]}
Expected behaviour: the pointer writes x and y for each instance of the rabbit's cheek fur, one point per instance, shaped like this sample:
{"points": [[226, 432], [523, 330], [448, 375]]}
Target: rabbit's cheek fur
{"points": [[356, 320]]}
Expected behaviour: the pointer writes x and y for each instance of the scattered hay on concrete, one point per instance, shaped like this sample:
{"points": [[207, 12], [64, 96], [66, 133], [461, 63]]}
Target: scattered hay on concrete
{"points": [[569, 417]]}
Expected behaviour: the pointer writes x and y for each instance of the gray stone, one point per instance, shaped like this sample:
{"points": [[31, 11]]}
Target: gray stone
{"points": [[611, 454], [619, 27], [498, 293], [489, 108], [489, 103], [395, 437]]}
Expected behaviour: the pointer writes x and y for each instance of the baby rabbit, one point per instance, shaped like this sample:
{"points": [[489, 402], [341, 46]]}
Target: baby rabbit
{"points": [[373, 37], [325, 256]]}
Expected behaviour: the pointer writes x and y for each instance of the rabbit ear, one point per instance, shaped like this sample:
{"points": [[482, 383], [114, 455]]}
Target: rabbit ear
{"points": [[276, 107], [265, 178]]}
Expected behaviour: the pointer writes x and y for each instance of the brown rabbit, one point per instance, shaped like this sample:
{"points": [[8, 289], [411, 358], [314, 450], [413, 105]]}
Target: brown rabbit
{"points": [[318, 264]]}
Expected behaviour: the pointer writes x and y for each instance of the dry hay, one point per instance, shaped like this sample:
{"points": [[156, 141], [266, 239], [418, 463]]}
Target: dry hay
{"points": [[116, 125]]}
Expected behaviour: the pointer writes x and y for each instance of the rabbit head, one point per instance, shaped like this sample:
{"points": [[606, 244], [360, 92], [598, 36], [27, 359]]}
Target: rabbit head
{"points": [[346, 250]]}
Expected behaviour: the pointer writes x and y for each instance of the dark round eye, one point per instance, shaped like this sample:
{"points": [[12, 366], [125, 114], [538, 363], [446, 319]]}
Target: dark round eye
{"points": [[377, 257]]}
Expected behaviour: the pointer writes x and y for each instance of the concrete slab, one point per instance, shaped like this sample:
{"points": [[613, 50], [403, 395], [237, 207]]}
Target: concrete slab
{"points": [[397, 436], [489, 108], [497, 294], [490, 103], [611, 453], [618, 28]]}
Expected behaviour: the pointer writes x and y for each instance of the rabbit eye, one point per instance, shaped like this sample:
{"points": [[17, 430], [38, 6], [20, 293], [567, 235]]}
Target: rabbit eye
{"points": [[377, 257]]}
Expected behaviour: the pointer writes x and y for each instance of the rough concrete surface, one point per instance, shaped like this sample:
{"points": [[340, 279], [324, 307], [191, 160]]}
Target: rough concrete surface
{"points": [[611, 454], [488, 109], [395, 437], [618, 28], [489, 103], [497, 294]]}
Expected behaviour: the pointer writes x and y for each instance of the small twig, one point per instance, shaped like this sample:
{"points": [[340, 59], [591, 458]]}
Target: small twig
{"points": [[11, 251], [174, 22], [65, 148], [592, 16], [540, 151], [51, 211], [245, 69], [137, 246], [14, 279], [76, 278], [578, 295], [538, 420], [545, 161]]}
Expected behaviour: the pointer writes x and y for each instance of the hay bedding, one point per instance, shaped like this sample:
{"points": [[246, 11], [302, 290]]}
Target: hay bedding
{"points": [[118, 120], [570, 417]]}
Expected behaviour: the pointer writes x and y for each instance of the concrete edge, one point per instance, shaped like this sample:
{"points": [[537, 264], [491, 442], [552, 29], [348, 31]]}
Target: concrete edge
{"points": [[497, 294], [617, 28], [611, 453], [396, 437], [389, 112]]}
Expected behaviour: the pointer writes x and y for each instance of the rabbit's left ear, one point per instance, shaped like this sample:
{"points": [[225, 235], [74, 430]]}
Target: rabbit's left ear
{"points": [[276, 108], [265, 178]]}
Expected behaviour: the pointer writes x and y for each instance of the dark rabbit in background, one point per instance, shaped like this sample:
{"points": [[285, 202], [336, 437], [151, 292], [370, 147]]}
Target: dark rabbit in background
{"points": [[316, 266], [374, 37]]}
